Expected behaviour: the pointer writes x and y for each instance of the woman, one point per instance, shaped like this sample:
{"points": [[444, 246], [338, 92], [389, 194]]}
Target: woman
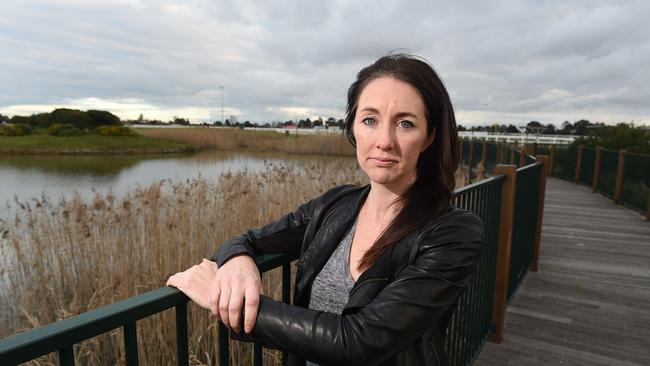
{"points": [[379, 267]]}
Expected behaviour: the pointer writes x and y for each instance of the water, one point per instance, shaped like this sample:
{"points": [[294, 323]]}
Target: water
{"points": [[59, 176]]}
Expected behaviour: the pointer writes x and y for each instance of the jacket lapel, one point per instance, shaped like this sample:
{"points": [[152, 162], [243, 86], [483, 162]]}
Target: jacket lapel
{"points": [[332, 230]]}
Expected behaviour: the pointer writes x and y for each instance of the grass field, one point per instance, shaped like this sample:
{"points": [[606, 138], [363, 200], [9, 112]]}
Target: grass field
{"points": [[236, 139], [89, 144]]}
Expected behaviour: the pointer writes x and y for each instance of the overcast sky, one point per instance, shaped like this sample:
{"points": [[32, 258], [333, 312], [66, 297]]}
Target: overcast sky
{"points": [[502, 61]]}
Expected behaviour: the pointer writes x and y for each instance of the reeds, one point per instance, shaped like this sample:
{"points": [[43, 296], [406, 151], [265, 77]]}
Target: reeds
{"points": [[71, 256], [68, 257], [238, 139]]}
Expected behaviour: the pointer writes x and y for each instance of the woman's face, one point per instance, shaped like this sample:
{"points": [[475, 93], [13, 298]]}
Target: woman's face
{"points": [[390, 129]]}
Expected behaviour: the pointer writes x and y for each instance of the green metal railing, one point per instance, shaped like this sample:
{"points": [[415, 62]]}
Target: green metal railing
{"points": [[525, 222], [471, 322], [587, 166], [636, 181], [61, 336], [564, 163], [607, 172]]}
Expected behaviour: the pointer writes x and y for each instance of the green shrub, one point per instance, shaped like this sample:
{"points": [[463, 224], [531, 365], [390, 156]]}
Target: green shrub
{"points": [[116, 131], [18, 129], [64, 129]]}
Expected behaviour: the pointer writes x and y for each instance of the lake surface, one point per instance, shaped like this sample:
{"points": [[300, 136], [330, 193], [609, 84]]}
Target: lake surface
{"points": [[57, 176]]}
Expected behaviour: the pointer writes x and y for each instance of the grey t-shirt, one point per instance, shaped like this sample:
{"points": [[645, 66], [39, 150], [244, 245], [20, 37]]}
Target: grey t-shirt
{"points": [[330, 290]]}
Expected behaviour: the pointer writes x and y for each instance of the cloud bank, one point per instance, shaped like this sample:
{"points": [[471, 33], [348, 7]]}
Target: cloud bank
{"points": [[502, 61]]}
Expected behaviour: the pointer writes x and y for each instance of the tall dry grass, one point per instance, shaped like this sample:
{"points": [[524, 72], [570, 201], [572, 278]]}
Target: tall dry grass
{"points": [[68, 257], [237, 139]]}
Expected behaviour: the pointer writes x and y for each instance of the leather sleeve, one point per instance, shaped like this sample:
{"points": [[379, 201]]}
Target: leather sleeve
{"points": [[284, 235], [408, 306]]}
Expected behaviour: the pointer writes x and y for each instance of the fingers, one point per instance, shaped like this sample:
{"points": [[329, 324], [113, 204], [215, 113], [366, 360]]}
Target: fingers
{"points": [[251, 307], [235, 307], [223, 306]]}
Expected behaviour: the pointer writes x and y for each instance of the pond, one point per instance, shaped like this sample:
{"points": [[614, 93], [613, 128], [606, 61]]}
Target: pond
{"points": [[24, 177]]}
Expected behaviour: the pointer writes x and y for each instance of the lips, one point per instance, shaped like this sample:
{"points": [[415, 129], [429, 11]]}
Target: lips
{"points": [[381, 161]]}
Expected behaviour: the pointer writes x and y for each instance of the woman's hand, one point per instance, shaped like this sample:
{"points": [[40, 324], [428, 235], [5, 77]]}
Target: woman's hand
{"points": [[236, 285], [196, 281]]}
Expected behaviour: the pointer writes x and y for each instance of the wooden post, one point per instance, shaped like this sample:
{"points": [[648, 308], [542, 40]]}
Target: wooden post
{"points": [[620, 168], [551, 160], [469, 159], [503, 253], [540, 211], [484, 152], [594, 182], [522, 156], [579, 163], [512, 153]]}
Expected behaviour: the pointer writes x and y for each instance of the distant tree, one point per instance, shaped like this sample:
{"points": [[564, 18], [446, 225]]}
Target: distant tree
{"points": [[566, 129], [580, 127], [534, 127], [460, 128], [549, 129], [101, 118], [140, 118], [4, 118], [318, 122], [20, 120], [218, 123], [622, 136], [227, 123], [247, 124], [512, 129], [181, 121], [340, 123], [305, 123]]}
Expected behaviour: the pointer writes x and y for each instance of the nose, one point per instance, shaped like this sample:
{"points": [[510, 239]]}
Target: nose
{"points": [[386, 137]]}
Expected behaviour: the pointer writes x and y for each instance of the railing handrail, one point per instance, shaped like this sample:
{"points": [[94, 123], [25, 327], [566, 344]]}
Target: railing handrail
{"points": [[469, 187], [50, 338]]}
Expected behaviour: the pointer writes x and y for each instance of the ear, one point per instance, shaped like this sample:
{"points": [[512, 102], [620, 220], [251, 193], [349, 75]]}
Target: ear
{"points": [[429, 140]]}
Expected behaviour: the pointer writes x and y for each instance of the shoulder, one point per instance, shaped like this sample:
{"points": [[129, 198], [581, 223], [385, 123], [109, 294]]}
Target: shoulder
{"points": [[456, 236], [341, 194]]}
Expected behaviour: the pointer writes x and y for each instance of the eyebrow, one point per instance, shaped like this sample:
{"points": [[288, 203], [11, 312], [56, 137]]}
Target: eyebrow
{"points": [[398, 115]]}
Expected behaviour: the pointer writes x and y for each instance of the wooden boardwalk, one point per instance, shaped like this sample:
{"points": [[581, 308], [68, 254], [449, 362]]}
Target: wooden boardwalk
{"points": [[589, 304]]}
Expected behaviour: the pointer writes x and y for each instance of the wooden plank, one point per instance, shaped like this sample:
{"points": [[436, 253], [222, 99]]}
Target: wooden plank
{"points": [[588, 304]]}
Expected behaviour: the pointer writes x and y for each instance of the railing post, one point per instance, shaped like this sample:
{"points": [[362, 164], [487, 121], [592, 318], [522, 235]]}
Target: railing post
{"points": [[484, 152], [551, 160], [540, 211], [578, 163], [512, 153], [503, 253], [469, 159], [594, 182], [620, 168], [522, 156]]}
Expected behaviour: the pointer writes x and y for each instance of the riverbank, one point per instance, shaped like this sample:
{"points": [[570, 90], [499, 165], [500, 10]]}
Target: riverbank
{"points": [[234, 139], [91, 144]]}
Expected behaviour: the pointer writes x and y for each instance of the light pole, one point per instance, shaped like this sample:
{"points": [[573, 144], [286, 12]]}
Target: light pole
{"points": [[221, 89]]}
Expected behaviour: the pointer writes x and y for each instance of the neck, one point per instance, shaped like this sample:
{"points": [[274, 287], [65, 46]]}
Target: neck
{"points": [[380, 203]]}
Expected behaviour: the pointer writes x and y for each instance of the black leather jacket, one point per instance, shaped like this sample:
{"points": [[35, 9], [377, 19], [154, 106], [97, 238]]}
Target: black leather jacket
{"points": [[398, 308]]}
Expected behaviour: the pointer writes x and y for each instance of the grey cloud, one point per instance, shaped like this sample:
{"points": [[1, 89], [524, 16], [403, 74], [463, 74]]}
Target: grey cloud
{"points": [[524, 59]]}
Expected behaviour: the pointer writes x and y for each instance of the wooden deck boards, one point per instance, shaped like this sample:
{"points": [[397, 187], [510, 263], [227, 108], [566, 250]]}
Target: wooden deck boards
{"points": [[589, 304]]}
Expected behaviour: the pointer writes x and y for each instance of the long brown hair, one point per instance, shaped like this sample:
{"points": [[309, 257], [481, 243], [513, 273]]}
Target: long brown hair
{"points": [[431, 193]]}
